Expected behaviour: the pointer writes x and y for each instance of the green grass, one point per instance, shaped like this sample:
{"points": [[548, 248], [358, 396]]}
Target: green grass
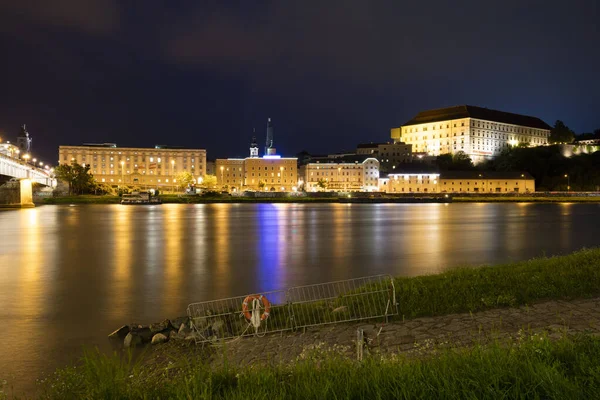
{"points": [[531, 367], [459, 290]]}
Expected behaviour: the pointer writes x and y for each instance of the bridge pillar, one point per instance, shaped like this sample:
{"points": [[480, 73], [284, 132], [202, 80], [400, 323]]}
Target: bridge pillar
{"points": [[16, 194]]}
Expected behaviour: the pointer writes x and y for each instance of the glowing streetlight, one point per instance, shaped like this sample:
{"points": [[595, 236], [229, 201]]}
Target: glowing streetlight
{"points": [[122, 168], [173, 173], [222, 176], [26, 157], [568, 182]]}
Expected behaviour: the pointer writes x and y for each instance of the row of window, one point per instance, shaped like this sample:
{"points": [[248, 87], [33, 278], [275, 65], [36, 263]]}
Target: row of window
{"points": [[486, 125]]}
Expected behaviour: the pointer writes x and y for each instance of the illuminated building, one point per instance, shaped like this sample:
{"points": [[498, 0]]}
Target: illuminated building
{"points": [[268, 173], [155, 167], [351, 173], [458, 182], [479, 132]]}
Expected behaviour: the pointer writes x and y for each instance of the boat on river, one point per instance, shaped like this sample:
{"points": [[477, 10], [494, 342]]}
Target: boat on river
{"points": [[140, 198]]}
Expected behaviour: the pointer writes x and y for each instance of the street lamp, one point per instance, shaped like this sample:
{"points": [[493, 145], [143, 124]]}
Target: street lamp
{"points": [[281, 175], [122, 168], [26, 157], [568, 182], [173, 174], [222, 176]]}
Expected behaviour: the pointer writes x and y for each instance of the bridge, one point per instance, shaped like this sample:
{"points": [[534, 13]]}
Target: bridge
{"points": [[15, 168], [18, 193]]}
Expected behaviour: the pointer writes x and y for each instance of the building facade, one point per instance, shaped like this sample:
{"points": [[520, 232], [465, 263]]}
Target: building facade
{"points": [[268, 173], [459, 182], [357, 173], [479, 132], [141, 167], [392, 155]]}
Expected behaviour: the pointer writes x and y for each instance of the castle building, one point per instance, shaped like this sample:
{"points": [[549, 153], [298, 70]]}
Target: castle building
{"points": [[479, 132], [141, 167], [271, 172]]}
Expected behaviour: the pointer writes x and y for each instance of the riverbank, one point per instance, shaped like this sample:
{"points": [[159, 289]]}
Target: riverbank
{"points": [[526, 199], [363, 198], [447, 349]]}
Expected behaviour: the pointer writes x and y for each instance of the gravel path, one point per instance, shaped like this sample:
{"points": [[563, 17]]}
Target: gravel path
{"points": [[414, 336]]}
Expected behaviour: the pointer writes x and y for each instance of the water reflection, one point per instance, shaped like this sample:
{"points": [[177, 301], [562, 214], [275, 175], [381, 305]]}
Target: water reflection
{"points": [[77, 273], [122, 261]]}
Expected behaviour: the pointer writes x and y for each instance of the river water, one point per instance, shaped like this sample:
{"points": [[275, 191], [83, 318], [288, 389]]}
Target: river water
{"points": [[69, 275]]}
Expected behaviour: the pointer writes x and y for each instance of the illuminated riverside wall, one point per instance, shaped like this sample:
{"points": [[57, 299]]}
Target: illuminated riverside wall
{"points": [[458, 182]]}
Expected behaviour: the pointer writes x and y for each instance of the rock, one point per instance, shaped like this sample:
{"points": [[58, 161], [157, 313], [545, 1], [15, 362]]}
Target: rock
{"points": [[340, 309], [183, 330], [174, 335], [179, 320], [132, 340], [162, 326], [144, 333], [159, 338], [190, 338], [120, 333]]}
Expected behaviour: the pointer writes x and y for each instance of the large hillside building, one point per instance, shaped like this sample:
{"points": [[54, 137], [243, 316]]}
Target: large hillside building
{"points": [[479, 132], [141, 167]]}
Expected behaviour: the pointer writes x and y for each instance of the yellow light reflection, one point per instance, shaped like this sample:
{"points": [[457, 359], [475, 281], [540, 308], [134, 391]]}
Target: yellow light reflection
{"points": [[31, 289], [222, 267], [173, 256], [122, 279]]}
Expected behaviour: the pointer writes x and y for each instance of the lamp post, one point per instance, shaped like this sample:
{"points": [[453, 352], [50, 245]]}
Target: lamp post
{"points": [[26, 157], [568, 183], [281, 176], [222, 177], [122, 176], [173, 174]]}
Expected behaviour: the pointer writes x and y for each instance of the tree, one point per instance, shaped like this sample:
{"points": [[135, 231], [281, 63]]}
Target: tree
{"points": [[322, 183], [561, 133], [444, 161], [78, 177], [461, 161], [184, 179], [208, 182]]}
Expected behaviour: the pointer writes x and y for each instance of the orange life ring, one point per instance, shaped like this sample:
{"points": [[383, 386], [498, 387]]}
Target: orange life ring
{"points": [[265, 304]]}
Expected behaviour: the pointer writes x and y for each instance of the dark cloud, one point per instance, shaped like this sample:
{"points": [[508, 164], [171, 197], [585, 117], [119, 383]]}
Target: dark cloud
{"points": [[330, 73], [98, 17]]}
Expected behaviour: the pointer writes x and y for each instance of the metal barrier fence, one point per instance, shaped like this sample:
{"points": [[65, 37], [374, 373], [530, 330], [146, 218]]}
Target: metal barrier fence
{"points": [[294, 308]]}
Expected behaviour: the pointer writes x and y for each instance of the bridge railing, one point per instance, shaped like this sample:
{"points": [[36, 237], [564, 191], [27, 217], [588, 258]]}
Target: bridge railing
{"points": [[16, 168]]}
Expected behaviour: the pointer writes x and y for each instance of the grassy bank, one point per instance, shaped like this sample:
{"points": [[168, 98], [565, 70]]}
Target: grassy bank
{"points": [[530, 367], [459, 290], [526, 199]]}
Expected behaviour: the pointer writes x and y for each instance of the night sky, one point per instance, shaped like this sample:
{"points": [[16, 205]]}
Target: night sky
{"points": [[330, 74]]}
